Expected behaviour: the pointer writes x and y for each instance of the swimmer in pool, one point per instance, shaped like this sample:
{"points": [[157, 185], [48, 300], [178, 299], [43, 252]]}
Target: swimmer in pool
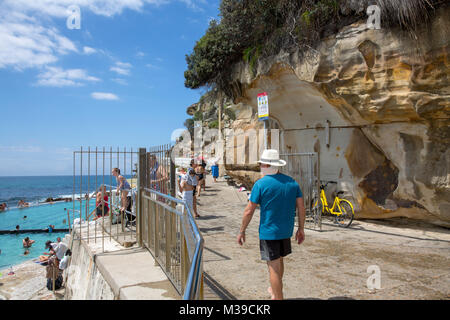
{"points": [[27, 242]]}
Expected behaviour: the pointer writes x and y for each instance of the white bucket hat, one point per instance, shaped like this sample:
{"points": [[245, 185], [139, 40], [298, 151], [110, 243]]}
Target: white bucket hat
{"points": [[272, 157]]}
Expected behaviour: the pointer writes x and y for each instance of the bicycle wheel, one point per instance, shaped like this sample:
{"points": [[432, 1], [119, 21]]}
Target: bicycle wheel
{"points": [[345, 219]]}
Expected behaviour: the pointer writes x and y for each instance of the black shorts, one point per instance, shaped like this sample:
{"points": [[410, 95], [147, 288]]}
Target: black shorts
{"points": [[100, 211], [274, 249]]}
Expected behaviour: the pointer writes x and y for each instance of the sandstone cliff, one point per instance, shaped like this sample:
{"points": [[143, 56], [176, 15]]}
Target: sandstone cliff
{"points": [[385, 96]]}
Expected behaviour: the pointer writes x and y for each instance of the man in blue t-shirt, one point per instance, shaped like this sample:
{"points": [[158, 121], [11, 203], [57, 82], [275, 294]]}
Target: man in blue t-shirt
{"points": [[278, 196]]}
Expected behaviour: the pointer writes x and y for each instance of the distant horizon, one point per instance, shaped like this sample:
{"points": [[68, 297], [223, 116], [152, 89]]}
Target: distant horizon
{"points": [[59, 175]]}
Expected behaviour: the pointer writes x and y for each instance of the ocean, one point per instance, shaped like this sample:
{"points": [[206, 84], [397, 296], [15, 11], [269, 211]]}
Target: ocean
{"points": [[39, 215], [36, 190]]}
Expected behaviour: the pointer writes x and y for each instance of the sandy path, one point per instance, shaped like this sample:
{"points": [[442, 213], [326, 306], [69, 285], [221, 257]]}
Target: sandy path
{"points": [[414, 259]]}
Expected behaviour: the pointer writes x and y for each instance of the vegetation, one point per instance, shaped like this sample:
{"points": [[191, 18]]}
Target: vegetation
{"points": [[253, 29], [214, 124]]}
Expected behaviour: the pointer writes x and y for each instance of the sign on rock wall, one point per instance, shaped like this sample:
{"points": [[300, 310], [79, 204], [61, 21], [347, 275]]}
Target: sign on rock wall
{"points": [[263, 106]]}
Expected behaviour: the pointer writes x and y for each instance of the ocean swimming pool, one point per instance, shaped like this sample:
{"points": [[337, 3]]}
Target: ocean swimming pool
{"points": [[38, 217], [13, 250]]}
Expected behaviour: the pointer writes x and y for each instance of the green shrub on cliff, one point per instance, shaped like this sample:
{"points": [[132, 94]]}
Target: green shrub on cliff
{"points": [[253, 29]]}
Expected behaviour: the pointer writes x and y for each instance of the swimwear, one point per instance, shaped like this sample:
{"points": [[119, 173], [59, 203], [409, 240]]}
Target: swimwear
{"points": [[125, 186], [153, 176]]}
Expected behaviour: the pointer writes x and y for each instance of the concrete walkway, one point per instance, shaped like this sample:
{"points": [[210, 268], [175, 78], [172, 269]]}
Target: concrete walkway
{"points": [[413, 258]]}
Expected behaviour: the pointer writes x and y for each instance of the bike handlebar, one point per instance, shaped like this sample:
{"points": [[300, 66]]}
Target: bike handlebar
{"points": [[324, 185]]}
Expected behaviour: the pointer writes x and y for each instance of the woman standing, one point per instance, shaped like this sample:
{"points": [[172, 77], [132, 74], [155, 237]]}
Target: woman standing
{"points": [[201, 175], [123, 187]]}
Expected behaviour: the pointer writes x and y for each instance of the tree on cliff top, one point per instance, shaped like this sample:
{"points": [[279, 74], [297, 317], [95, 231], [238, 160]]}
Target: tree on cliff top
{"points": [[254, 29]]}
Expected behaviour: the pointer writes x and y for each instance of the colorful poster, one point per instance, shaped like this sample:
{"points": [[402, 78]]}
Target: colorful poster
{"points": [[263, 106]]}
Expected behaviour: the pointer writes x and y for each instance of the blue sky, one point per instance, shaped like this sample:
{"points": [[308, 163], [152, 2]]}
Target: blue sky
{"points": [[117, 81]]}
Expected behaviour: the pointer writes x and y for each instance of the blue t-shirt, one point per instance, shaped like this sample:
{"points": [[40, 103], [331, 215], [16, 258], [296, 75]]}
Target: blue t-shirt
{"points": [[277, 195]]}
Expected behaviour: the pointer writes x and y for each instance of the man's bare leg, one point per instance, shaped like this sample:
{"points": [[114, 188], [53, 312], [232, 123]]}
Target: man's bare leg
{"points": [[276, 270]]}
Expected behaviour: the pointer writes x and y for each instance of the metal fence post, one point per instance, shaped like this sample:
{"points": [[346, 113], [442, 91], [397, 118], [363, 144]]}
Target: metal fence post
{"points": [[141, 183]]}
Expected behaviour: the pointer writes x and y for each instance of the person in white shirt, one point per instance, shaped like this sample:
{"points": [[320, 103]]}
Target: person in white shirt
{"points": [[59, 248], [65, 261]]}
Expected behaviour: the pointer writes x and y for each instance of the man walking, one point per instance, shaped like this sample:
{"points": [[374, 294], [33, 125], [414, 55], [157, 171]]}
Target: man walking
{"points": [[278, 196]]}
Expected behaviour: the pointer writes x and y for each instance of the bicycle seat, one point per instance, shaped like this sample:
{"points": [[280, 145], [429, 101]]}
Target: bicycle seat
{"points": [[340, 192]]}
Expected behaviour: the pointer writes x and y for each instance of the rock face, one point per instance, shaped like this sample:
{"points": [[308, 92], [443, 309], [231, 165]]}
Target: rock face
{"points": [[386, 99]]}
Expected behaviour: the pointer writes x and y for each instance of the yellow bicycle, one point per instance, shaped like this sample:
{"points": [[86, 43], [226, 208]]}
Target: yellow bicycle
{"points": [[342, 208]]}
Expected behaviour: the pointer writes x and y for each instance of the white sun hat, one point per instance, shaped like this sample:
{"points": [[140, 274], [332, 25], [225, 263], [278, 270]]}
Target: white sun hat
{"points": [[272, 157]]}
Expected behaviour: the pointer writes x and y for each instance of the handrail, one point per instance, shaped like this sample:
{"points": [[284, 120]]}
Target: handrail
{"points": [[191, 291]]}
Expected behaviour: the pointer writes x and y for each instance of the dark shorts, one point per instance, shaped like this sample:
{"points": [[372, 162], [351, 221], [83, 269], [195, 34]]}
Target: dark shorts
{"points": [[100, 211], [274, 249]]}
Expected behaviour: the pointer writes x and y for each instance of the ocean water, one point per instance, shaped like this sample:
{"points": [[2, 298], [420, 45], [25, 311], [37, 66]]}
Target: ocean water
{"points": [[36, 190], [39, 215]]}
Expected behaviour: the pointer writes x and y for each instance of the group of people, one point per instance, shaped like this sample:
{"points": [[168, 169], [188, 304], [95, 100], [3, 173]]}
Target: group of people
{"points": [[192, 181], [56, 260], [279, 197], [22, 204], [102, 198]]}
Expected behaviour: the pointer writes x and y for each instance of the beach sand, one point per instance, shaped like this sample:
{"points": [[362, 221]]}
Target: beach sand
{"points": [[27, 283]]}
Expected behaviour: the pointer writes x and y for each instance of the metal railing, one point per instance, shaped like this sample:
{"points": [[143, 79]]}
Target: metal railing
{"points": [[172, 236], [167, 226], [116, 224], [163, 224], [91, 171]]}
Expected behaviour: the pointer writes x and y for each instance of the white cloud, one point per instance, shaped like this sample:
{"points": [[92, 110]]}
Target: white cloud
{"points": [[194, 4], [58, 8], [29, 37], [122, 68], [58, 77], [27, 44], [104, 96], [140, 54], [152, 66], [120, 81], [89, 50]]}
